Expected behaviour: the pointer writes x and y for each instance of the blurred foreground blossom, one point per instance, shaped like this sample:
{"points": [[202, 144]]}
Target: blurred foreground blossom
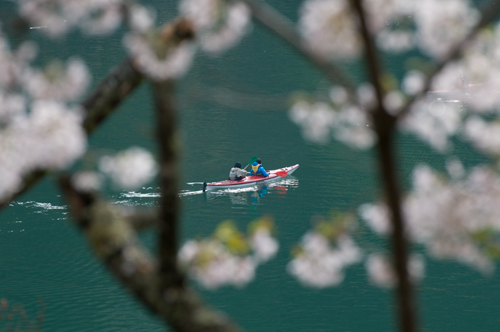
{"points": [[58, 17], [13, 62], [229, 257], [12, 105], [56, 135], [173, 64], [213, 266], [315, 120], [87, 181], [434, 123], [58, 82], [141, 19], [318, 264], [49, 137], [330, 28], [484, 135], [324, 253], [441, 24], [381, 271], [219, 24], [129, 169], [38, 128], [339, 118], [453, 219], [413, 82]]}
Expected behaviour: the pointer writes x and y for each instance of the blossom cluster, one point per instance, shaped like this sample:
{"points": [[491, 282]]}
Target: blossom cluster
{"points": [[229, 257], [339, 118], [58, 17], [325, 252], [319, 264], [381, 270], [129, 169], [454, 218], [331, 28], [39, 127], [218, 25]]}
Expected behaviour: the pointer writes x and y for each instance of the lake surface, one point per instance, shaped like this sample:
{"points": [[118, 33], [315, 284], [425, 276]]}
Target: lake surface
{"points": [[44, 257]]}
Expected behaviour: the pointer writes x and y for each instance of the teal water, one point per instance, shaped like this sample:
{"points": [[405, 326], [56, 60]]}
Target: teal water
{"points": [[42, 256]]}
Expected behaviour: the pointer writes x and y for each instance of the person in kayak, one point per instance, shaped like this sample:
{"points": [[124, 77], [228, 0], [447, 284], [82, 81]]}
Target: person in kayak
{"points": [[236, 173], [257, 169]]}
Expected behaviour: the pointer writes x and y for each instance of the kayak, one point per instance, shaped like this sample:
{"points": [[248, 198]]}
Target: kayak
{"points": [[251, 180]]}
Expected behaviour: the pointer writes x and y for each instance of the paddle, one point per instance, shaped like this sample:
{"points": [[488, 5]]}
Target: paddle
{"points": [[281, 173], [251, 161]]}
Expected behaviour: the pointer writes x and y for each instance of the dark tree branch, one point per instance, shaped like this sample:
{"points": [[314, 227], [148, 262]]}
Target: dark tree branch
{"points": [[371, 55], [111, 236], [143, 219], [119, 83], [385, 127], [387, 166], [488, 14], [163, 93], [281, 26], [106, 98], [97, 107]]}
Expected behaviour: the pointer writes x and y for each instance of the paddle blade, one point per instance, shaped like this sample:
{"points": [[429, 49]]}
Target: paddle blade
{"points": [[281, 173], [252, 160]]}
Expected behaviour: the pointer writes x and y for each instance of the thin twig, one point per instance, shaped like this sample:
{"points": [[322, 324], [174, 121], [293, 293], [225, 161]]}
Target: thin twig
{"points": [[488, 14], [280, 25], [371, 55]]}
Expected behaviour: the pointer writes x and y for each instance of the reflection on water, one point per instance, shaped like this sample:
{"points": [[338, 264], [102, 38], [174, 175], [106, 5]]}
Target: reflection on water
{"points": [[254, 194], [148, 196]]}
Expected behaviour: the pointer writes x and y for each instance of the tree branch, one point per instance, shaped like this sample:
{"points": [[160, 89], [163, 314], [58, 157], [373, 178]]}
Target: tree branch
{"points": [[111, 236], [371, 55], [106, 98], [163, 93], [488, 14], [119, 83], [281, 26], [143, 219], [385, 127]]}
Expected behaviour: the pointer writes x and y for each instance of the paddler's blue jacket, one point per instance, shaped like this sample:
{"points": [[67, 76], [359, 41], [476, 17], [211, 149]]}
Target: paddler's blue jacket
{"points": [[257, 169]]}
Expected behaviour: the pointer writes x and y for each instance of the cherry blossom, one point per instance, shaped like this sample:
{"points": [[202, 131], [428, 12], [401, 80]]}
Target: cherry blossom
{"points": [[448, 217], [58, 17], [58, 82], [87, 181], [174, 64], [441, 24], [130, 168], [381, 271], [318, 264], [329, 28], [229, 257], [219, 24]]}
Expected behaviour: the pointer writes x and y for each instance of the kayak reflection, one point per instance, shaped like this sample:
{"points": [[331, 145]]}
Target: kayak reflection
{"points": [[259, 193]]}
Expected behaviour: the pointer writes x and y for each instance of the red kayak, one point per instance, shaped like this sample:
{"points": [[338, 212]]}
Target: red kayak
{"points": [[251, 180]]}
